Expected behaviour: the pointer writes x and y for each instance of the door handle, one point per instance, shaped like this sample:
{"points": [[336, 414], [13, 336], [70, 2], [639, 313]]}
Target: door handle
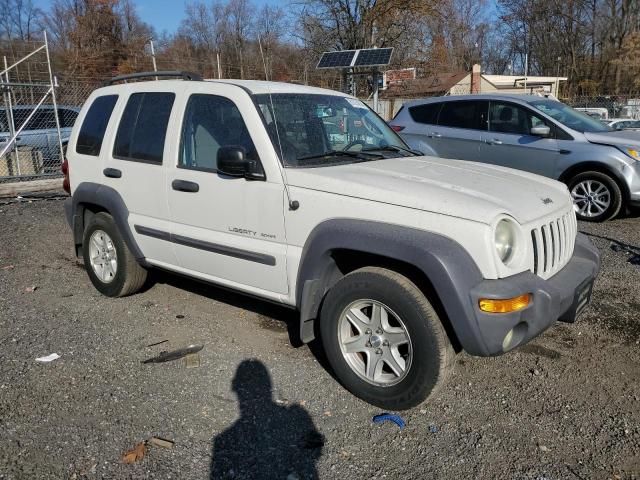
{"points": [[495, 141], [112, 173], [435, 135], [185, 186]]}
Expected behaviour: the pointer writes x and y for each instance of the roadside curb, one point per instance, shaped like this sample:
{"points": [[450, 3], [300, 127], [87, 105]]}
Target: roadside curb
{"points": [[34, 186]]}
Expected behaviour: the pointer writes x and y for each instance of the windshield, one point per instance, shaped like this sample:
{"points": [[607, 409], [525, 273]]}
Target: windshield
{"points": [[570, 117], [310, 130]]}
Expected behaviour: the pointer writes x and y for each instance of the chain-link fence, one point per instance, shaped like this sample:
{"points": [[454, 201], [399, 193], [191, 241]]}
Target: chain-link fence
{"points": [[37, 112], [607, 108]]}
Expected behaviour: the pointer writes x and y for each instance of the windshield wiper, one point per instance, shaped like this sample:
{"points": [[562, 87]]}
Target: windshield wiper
{"points": [[391, 148], [343, 153]]}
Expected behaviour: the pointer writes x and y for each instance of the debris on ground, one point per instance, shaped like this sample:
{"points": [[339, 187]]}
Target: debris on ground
{"points": [[134, 455], [179, 317], [192, 360], [161, 442], [157, 343], [389, 417], [31, 289], [8, 267], [174, 354], [48, 358], [433, 429], [634, 259]]}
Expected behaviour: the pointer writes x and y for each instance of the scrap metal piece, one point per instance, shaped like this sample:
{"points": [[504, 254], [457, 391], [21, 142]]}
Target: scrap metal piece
{"points": [[174, 354]]}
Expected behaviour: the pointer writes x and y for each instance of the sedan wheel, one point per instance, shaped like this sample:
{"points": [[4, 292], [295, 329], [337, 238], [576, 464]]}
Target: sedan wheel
{"points": [[591, 198]]}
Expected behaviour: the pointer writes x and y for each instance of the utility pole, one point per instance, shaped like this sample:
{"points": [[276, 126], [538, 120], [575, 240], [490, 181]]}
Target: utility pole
{"points": [[557, 93], [526, 70]]}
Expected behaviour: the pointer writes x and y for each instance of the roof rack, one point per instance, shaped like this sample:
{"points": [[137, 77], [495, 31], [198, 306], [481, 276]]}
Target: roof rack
{"points": [[167, 73]]}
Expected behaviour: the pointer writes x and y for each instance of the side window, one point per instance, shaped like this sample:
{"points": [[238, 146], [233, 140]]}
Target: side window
{"points": [[95, 124], [211, 122], [470, 114], [143, 127], [510, 118], [427, 113]]}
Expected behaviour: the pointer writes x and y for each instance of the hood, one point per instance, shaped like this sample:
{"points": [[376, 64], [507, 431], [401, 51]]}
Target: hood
{"points": [[623, 137], [457, 188]]}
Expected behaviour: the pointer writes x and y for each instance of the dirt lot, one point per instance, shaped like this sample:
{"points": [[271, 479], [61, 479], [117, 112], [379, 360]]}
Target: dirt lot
{"points": [[566, 406]]}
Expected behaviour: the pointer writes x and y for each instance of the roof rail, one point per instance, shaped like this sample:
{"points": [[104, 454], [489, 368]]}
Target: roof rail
{"points": [[167, 73]]}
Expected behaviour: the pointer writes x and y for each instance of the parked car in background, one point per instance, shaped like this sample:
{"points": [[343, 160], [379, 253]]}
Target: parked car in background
{"points": [[623, 124], [599, 113], [40, 133], [600, 166]]}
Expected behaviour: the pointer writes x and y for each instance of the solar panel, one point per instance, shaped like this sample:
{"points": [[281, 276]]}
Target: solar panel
{"points": [[338, 59], [373, 57]]}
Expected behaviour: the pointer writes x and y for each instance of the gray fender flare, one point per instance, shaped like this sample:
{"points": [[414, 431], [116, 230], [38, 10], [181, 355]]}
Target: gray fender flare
{"points": [[108, 199], [447, 265]]}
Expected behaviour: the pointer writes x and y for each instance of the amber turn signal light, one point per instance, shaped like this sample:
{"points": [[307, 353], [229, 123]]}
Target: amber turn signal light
{"points": [[506, 305]]}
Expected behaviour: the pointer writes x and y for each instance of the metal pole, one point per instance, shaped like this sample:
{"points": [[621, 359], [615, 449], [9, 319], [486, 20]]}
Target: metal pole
{"points": [[219, 69], [53, 97], [375, 90], [10, 119], [557, 94], [153, 56], [526, 70]]}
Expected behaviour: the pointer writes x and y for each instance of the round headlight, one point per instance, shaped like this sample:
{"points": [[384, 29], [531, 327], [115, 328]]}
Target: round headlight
{"points": [[505, 239]]}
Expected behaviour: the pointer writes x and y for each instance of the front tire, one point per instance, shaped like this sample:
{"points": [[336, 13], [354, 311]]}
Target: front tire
{"points": [[384, 340], [111, 267], [596, 196]]}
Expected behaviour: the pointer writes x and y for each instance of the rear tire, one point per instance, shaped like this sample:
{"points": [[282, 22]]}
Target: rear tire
{"points": [[394, 363], [110, 265], [596, 196]]}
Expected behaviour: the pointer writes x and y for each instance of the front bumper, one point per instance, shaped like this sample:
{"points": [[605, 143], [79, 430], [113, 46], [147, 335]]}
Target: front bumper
{"points": [[557, 298]]}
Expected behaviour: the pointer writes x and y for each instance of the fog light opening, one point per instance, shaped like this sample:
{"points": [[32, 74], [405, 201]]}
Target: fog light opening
{"points": [[514, 337], [506, 305]]}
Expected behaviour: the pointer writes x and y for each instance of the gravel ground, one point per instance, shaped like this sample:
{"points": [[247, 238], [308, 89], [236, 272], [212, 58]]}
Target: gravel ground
{"points": [[566, 406]]}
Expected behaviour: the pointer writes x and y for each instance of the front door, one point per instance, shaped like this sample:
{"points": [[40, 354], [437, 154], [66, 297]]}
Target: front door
{"points": [[509, 142], [225, 229]]}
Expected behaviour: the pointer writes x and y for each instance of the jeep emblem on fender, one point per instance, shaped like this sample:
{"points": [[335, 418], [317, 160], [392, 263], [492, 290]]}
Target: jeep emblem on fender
{"points": [[547, 201]]}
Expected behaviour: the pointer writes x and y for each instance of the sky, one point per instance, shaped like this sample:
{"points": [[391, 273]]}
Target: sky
{"points": [[161, 14], [167, 14]]}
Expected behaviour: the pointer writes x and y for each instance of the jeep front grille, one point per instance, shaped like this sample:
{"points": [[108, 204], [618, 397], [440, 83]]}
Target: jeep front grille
{"points": [[553, 243]]}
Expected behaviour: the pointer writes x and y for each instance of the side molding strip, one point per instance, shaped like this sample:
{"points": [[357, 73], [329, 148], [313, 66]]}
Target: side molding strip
{"points": [[207, 246]]}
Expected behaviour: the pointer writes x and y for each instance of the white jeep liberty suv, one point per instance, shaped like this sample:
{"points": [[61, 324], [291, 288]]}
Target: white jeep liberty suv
{"points": [[305, 197]]}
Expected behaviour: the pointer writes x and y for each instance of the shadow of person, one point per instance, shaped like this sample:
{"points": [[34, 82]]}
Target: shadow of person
{"points": [[268, 441]]}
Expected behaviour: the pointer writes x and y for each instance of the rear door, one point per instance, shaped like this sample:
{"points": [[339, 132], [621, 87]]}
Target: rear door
{"points": [[509, 142], [225, 229], [461, 124], [136, 169], [416, 124]]}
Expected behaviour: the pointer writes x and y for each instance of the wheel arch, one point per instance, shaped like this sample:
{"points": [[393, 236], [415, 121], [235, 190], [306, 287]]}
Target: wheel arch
{"points": [[439, 266], [592, 166], [87, 200]]}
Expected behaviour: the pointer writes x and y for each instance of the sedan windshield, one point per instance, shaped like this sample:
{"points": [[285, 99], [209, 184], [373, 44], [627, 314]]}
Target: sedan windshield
{"points": [[310, 130], [570, 117]]}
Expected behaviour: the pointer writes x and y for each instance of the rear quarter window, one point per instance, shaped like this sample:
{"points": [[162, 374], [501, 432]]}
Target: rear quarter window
{"points": [[427, 113], [94, 125]]}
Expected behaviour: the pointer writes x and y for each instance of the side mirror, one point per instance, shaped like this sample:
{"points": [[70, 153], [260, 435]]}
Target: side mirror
{"points": [[232, 161], [541, 131]]}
